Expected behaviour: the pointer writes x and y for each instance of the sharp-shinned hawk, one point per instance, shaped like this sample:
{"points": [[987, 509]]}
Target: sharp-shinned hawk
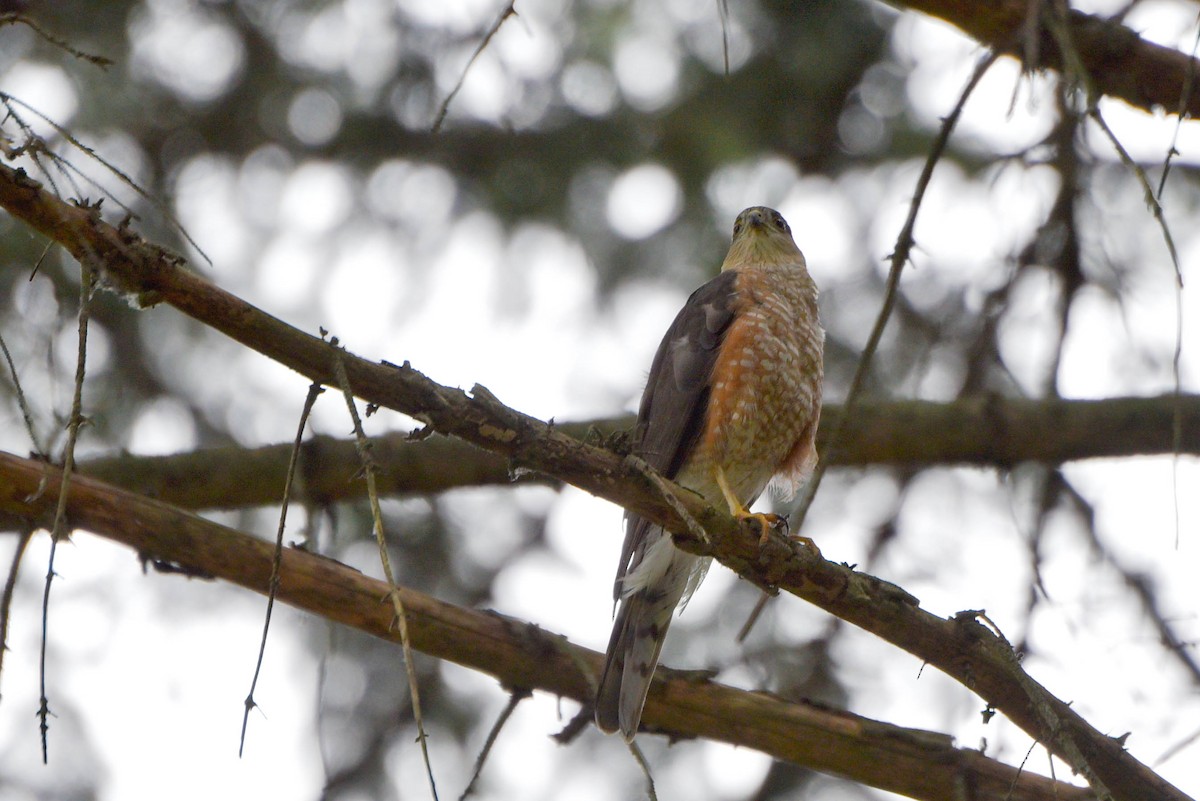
{"points": [[732, 402]]}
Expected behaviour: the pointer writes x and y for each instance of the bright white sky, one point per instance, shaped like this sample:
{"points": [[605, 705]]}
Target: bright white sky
{"points": [[157, 676]]}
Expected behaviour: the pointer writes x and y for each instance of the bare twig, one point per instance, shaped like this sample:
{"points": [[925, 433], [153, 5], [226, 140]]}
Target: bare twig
{"points": [[508, 11], [1052, 724], [1156, 210], [1136, 582], [644, 764], [33, 147], [514, 698], [723, 13], [10, 585], [1185, 97], [65, 165], [74, 423], [14, 19], [21, 401], [1177, 747], [1117, 60], [401, 619], [314, 390]]}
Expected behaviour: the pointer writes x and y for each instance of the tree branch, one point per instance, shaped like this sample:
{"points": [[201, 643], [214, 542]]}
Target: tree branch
{"points": [[1118, 61], [961, 647], [987, 430], [916, 763]]}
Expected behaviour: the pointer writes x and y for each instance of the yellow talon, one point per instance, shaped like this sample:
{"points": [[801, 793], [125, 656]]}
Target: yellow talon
{"points": [[805, 541], [767, 520]]}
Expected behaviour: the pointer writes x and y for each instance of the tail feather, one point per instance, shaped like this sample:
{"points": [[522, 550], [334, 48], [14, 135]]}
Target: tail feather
{"points": [[659, 577], [633, 650]]}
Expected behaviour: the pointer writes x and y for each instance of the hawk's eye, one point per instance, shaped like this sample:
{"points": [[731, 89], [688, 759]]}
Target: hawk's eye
{"points": [[782, 224], [737, 227]]}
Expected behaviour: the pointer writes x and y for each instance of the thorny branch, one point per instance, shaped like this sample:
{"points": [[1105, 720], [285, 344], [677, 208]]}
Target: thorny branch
{"points": [[363, 446], [59, 529], [310, 400]]}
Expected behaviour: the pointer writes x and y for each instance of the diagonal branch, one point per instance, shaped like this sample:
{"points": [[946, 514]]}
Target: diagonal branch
{"points": [[961, 647], [919, 764]]}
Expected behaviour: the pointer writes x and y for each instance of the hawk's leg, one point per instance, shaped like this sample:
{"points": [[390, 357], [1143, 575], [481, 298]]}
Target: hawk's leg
{"points": [[767, 520]]}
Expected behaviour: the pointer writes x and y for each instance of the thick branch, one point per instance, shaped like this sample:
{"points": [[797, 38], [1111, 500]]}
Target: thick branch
{"points": [[961, 647], [983, 431], [916, 763], [1119, 63]]}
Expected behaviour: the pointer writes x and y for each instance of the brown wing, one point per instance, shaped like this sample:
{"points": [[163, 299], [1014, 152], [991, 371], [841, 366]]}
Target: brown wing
{"points": [[675, 402]]}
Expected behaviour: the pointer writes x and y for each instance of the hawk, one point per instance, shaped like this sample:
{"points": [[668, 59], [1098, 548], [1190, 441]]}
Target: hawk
{"points": [[732, 402]]}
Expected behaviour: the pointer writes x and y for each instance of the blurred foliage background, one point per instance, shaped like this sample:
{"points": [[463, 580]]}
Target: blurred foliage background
{"points": [[582, 183]]}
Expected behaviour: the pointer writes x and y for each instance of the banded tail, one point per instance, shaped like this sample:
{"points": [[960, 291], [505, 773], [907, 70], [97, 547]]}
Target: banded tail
{"points": [[637, 638]]}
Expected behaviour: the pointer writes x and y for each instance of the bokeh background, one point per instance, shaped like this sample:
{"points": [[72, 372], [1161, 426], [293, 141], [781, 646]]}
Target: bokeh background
{"points": [[583, 182]]}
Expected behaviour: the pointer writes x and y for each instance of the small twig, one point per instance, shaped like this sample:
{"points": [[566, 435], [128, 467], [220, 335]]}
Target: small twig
{"points": [[583, 720], [1073, 62], [723, 13], [1177, 747], [1177, 423], [1156, 210], [10, 585], [1012, 787], [1185, 97], [516, 697], [13, 19], [112, 168], [74, 422], [752, 618], [32, 147], [1148, 192], [38, 264], [508, 11], [363, 446], [21, 401], [314, 390], [640, 758]]}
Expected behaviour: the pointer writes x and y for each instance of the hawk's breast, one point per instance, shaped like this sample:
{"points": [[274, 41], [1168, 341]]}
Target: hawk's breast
{"points": [[766, 381]]}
